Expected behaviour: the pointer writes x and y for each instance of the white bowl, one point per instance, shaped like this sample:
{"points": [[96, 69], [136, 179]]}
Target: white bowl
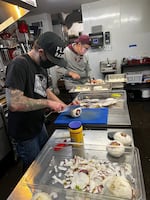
{"points": [[115, 148], [124, 138]]}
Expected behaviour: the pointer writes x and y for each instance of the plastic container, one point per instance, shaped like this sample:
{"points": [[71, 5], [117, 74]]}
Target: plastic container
{"points": [[91, 98], [44, 169], [134, 77], [115, 78], [91, 87], [76, 131]]}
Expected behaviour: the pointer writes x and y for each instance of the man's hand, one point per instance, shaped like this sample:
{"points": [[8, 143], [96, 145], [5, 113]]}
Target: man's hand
{"points": [[56, 106], [75, 102], [74, 75], [16, 101]]}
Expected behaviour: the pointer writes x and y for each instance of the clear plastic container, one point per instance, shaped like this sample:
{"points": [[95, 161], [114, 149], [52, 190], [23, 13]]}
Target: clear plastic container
{"points": [[40, 177], [100, 97], [134, 77], [115, 78], [93, 87]]}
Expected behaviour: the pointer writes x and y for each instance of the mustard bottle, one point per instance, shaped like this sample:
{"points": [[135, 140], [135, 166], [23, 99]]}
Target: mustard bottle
{"points": [[76, 131]]}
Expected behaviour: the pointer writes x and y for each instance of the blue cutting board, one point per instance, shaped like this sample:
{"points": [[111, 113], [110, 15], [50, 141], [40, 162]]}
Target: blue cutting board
{"points": [[88, 116]]}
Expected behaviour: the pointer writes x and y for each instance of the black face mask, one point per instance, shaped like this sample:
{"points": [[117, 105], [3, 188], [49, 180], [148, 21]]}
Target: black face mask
{"points": [[46, 64]]}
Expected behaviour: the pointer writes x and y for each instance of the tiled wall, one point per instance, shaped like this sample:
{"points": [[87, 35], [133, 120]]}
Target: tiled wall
{"points": [[128, 23]]}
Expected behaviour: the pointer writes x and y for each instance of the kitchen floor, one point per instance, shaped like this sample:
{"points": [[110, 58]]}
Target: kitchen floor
{"points": [[11, 171]]}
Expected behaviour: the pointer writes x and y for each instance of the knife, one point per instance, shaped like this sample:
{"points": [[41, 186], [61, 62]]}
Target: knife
{"points": [[66, 109], [69, 108]]}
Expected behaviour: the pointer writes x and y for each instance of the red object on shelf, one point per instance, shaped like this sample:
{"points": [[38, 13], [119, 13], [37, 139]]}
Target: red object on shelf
{"points": [[146, 60], [5, 35], [134, 61], [23, 27], [11, 51]]}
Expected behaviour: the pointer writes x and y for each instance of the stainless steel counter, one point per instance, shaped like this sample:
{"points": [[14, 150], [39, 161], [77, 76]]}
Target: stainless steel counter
{"points": [[118, 114], [93, 137], [117, 118]]}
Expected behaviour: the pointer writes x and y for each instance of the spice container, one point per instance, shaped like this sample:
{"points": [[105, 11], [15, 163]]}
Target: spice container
{"points": [[76, 131]]}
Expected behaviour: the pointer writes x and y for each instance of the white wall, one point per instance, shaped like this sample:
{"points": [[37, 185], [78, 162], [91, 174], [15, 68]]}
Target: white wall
{"points": [[128, 23], [58, 29], [45, 18]]}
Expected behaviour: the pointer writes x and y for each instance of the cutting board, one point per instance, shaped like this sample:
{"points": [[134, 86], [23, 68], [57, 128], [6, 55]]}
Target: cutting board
{"points": [[88, 116]]}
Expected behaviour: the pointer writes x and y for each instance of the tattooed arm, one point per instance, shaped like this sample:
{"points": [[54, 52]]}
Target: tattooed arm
{"points": [[52, 96], [16, 101]]}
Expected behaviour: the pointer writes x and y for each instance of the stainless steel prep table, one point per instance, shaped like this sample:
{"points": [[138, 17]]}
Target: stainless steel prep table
{"points": [[91, 137], [23, 192], [118, 114], [117, 118]]}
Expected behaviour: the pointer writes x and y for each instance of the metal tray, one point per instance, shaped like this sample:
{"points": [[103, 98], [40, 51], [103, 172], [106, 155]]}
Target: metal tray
{"points": [[40, 178], [119, 95], [92, 87]]}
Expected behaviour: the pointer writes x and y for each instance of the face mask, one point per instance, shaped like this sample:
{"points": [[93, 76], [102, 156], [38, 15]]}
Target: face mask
{"points": [[46, 64]]}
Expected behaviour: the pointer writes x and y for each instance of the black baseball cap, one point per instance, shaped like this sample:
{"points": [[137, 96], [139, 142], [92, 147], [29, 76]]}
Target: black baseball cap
{"points": [[53, 47]]}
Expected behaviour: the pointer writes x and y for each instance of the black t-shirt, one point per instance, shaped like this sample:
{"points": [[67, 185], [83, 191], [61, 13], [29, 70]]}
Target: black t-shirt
{"points": [[25, 75]]}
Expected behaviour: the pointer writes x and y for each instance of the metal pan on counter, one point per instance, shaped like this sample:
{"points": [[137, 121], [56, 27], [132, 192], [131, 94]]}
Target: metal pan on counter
{"points": [[91, 87], [66, 174], [113, 99]]}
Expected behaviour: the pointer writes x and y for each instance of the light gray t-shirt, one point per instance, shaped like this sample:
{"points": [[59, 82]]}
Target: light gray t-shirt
{"points": [[76, 63]]}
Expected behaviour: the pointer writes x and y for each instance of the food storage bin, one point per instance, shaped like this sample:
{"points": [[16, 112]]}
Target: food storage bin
{"points": [[47, 166], [91, 98], [115, 78], [90, 88], [134, 77]]}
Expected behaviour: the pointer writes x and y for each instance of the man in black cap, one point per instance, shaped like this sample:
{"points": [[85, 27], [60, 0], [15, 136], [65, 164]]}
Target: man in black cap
{"points": [[28, 95]]}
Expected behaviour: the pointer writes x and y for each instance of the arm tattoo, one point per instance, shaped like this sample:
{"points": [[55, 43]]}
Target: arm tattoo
{"points": [[18, 102]]}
